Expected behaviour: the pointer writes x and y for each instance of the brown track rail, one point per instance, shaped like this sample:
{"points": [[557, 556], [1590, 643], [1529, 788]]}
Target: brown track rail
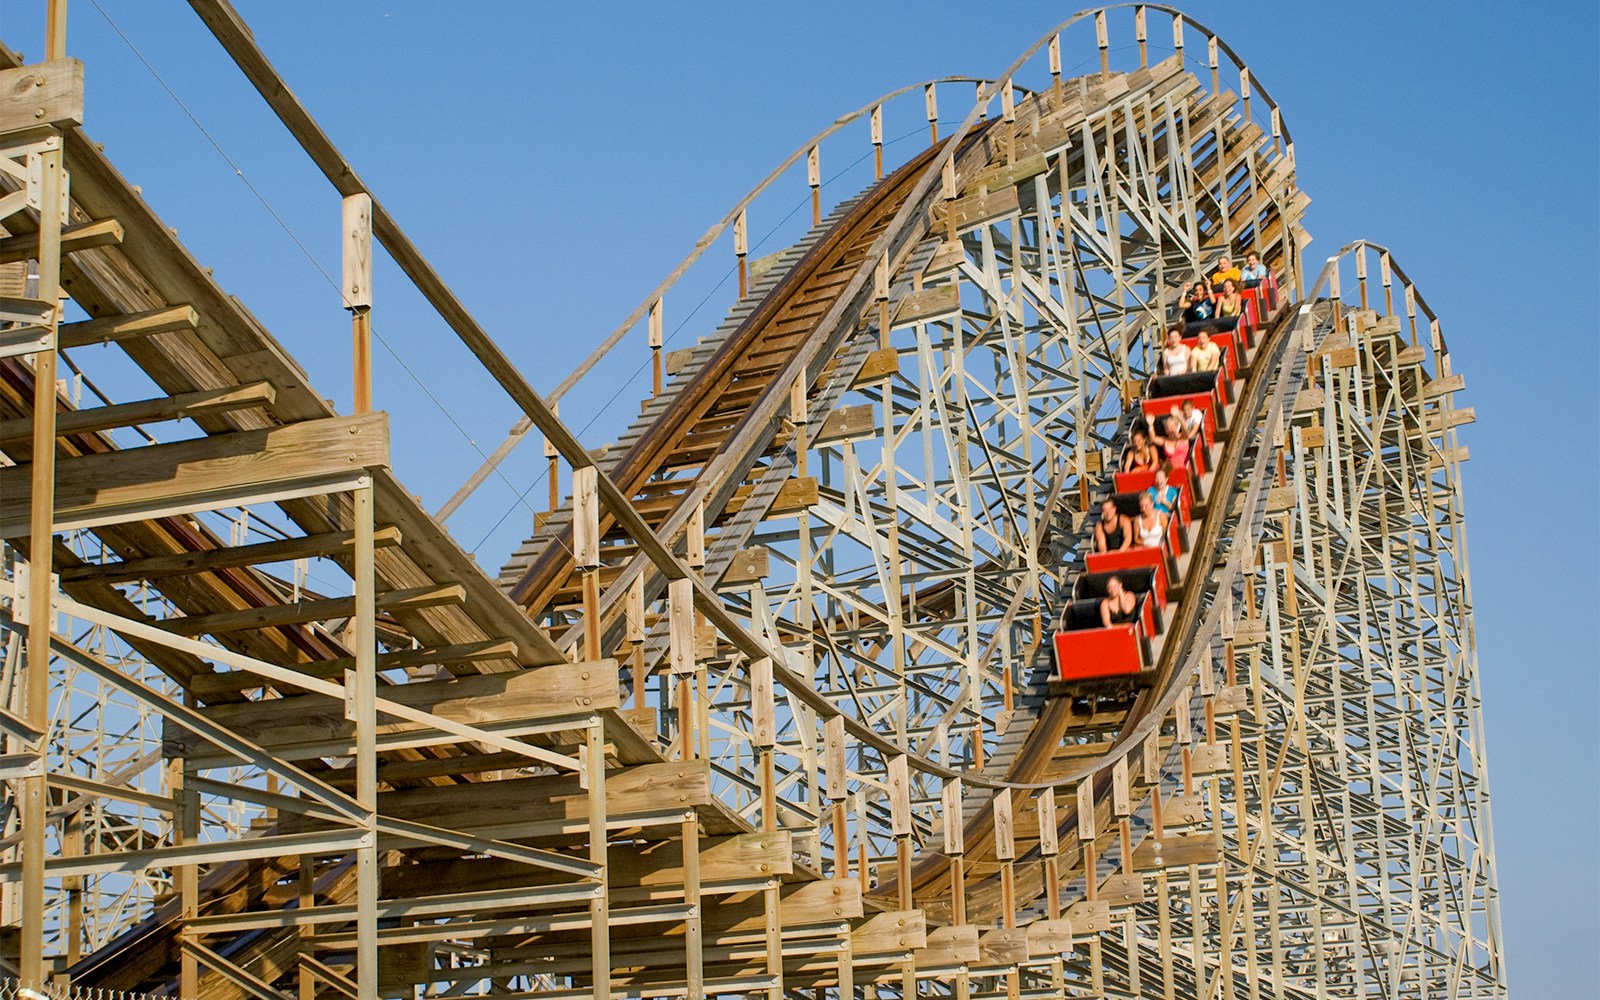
{"points": [[714, 407]]}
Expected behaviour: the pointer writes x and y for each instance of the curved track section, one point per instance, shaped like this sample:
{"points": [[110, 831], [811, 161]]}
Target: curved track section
{"points": [[762, 706]]}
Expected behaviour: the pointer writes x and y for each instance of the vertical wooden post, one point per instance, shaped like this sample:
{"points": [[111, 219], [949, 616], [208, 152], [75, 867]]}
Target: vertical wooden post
{"points": [[72, 847], [586, 552], [814, 179], [741, 248], [356, 287], [186, 820], [1139, 33], [600, 906], [833, 765], [553, 469], [1361, 274], [655, 348], [930, 98], [877, 143], [1005, 850], [1102, 38], [40, 584], [635, 636], [306, 980], [1055, 67], [681, 654]]}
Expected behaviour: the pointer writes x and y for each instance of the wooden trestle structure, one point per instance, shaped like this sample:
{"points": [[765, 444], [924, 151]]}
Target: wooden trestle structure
{"points": [[760, 709]]}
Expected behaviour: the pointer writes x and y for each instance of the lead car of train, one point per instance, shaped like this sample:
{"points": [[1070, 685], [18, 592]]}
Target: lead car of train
{"points": [[1088, 657]]}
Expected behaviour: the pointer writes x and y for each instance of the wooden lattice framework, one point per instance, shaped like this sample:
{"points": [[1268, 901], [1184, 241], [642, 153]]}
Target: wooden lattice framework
{"points": [[760, 708]]}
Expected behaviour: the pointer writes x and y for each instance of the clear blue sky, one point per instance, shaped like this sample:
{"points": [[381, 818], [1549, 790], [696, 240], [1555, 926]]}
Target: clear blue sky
{"points": [[556, 160]]}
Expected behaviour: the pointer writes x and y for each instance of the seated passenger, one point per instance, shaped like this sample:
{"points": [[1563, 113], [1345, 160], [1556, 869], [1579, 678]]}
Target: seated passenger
{"points": [[1230, 302], [1175, 354], [1225, 271], [1141, 455], [1254, 273], [1164, 496], [1204, 356], [1115, 530], [1119, 606], [1191, 419], [1151, 524], [1197, 304], [1173, 443]]}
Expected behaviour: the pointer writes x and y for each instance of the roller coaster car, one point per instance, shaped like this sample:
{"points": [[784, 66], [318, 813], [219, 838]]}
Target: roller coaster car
{"points": [[1229, 360], [1216, 324], [1128, 505], [1264, 293], [1123, 561], [1201, 388], [1091, 586], [1094, 659], [1138, 482]]}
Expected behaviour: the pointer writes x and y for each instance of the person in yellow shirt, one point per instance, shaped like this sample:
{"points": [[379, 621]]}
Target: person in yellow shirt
{"points": [[1205, 356], [1225, 271]]}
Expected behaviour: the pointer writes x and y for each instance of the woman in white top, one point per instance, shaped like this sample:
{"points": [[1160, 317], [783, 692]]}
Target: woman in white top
{"points": [[1175, 355], [1149, 525]]}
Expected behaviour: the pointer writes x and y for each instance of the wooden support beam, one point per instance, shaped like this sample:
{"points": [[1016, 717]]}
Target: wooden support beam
{"points": [[47, 93], [218, 471], [331, 543], [129, 325], [280, 724], [148, 411], [82, 236], [299, 613], [540, 806], [213, 684]]}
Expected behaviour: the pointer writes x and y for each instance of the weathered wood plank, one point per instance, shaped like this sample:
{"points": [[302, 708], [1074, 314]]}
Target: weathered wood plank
{"points": [[515, 807], [331, 543], [848, 423], [140, 324], [977, 209], [82, 236], [1177, 849], [928, 304], [1049, 937], [879, 364], [220, 622], [148, 411], [208, 685], [47, 93], [627, 866], [291, 725], [195, 475], [950, 946], [1442, 386], [898, 930]]}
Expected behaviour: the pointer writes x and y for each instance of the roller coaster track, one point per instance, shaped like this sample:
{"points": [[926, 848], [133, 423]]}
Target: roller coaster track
{"points": [[763, 706]]}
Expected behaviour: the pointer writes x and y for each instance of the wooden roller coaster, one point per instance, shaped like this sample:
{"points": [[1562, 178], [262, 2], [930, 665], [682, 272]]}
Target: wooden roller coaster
{"points": [[766, 704]]}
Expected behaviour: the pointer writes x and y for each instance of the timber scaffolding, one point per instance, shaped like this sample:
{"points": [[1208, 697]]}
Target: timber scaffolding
{"points": [[759, 709]]}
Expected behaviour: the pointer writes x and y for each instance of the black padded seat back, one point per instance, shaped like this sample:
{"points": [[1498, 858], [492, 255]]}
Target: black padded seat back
{"points": [[1081, 615], [1214, 323], [1187, 384], [1127, 503], [1140, 580]]}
